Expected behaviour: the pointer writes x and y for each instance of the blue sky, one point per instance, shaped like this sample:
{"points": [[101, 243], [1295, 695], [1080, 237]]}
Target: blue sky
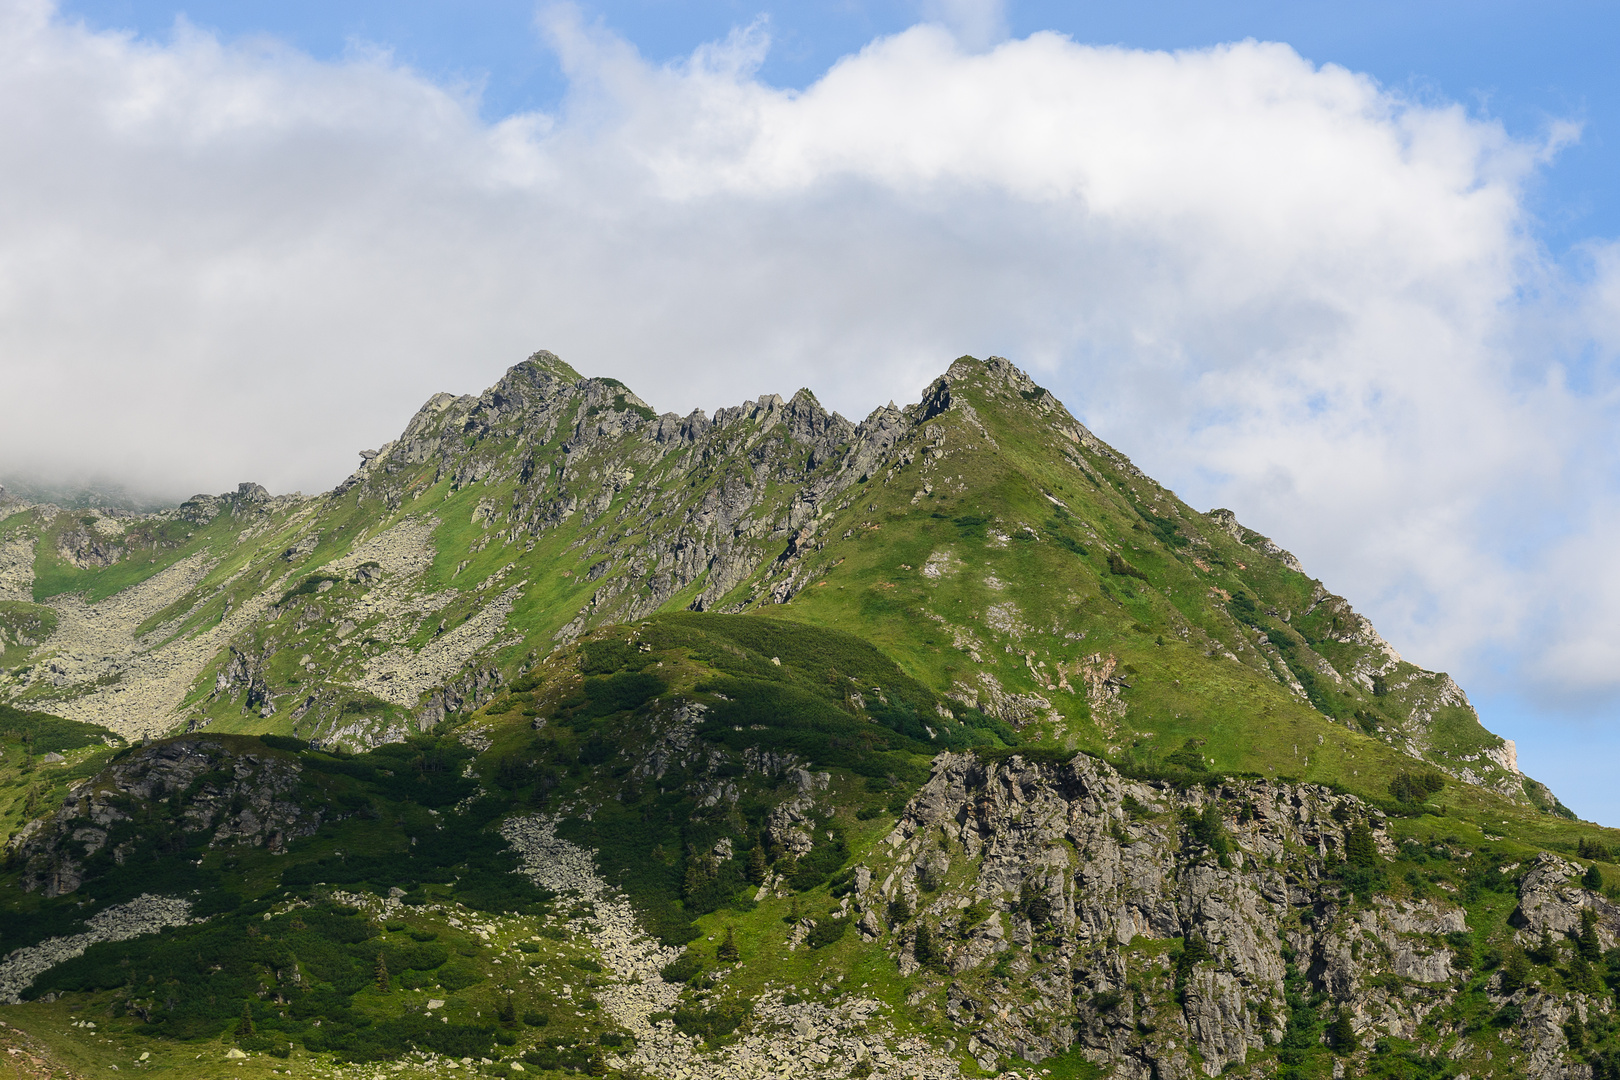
{"points": [[1374, 307]]}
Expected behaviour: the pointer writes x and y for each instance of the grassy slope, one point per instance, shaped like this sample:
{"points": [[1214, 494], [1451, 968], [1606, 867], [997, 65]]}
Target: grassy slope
{"points": [[690, 657], [1161, 630], [688, 653], [1168, 630]]}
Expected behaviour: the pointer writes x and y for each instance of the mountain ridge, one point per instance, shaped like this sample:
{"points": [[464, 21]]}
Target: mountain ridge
{"points": [[550, 445], [567, 736]]}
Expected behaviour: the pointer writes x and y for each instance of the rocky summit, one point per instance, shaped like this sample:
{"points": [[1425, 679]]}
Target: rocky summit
{"points": [[567, 737]]}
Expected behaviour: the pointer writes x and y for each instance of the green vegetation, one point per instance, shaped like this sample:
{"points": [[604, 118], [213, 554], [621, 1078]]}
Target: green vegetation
{"points": [[42, 733], [995, 584]]}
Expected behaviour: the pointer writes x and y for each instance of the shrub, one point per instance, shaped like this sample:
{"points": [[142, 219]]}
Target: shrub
{"points": [[1034, 905], [1360, 849], [459, 976], [1119, 566], [1208, 828], [1343, 1034], [1587, 943], [923, 947], [826, 933], [1416, 786], [1189, 756], [1515, 971], [683, 968], [711, 1025], [1587, 848]]}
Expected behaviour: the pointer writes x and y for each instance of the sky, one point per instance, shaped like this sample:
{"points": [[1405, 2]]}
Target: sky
{"points": [[1352, 271]]}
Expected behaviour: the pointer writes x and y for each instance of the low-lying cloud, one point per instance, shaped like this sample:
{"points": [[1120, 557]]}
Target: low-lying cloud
{"points": [[1276, 285]]}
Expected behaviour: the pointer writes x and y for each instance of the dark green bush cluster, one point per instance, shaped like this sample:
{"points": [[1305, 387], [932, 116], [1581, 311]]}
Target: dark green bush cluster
{"points": [[307, 587], [336, 950], [682, 969], [924, 948], [1118, 566], [461, 847], [711, 1025], [1188, 756], [1417, 785], [47, 734], [1194, 951], [1587, 848], [1165, 528], [1302, 1035], [1034, 904], [559, 1055], [1208, 828], [1058, 529], [827, 932]]}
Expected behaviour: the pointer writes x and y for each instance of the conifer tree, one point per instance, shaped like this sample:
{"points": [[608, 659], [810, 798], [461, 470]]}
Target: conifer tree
{"points": [[756, 864], [1515, 971], [382, 973], [244, 1026], [1575, 1030], [728, 953], [923, 949], [1590, 947], [1360, 849], [1593, 878], [1344, 1034]]}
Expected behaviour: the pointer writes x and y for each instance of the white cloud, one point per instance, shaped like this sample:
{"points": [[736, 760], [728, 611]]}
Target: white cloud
{"points": [[1278, 286]]}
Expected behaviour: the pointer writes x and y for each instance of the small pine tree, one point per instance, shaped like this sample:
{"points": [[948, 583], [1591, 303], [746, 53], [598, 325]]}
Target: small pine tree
{"points": [[1360, 849], [1575, 1030], [244, 1026], [1590, 947], [923, 948], [1515, 971], [727, 953], [1546, 950], [1344, 1034], [508, 1011], [1034, 904], [757, 869], [1593, 878], [382, 973]]}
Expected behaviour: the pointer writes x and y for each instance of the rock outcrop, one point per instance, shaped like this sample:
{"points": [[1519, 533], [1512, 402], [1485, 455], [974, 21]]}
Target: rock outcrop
{"points": [[235, 797]]}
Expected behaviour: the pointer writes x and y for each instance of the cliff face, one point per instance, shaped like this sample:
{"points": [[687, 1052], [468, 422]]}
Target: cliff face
{"points": [[1164, 932]]}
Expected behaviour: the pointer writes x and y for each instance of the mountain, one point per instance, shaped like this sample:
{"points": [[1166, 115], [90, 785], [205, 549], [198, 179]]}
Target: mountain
{"points": [[936, 744]]}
